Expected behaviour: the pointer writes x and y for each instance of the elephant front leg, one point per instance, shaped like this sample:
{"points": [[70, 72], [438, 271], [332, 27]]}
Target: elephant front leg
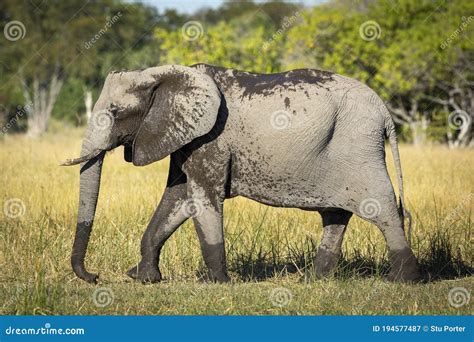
{"points": [[209, 227], [167, 218], [329, 251]]}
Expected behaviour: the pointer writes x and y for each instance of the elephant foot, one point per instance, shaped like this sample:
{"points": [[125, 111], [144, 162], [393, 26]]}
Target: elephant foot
{"points": [[404, 267], [218, 277], [145, 274], [412, 276], [91, 278], [325, 263], [222, 279]]}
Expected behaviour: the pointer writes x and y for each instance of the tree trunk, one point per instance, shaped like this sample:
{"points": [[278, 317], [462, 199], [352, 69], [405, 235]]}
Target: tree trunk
{"points": [[408, 115], [418, 130], [458, 100], [88, 103], [417, 135], [42, 101]]}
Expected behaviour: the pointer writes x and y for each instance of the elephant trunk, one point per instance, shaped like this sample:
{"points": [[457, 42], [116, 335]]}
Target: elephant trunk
{"points": [[89, 191]]}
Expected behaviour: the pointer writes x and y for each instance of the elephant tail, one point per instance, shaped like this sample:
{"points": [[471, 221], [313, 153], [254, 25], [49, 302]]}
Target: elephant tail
{"points": [[392, 138]]}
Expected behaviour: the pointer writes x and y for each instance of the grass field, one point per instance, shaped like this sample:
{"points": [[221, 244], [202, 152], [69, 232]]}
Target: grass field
{"points": [[268, 248]]}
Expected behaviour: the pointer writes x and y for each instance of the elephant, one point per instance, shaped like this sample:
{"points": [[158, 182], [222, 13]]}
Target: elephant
{"points": [[304, 138]]}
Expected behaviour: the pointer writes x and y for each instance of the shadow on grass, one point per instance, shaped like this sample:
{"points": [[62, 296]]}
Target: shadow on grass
{"points": [[440, 261]]}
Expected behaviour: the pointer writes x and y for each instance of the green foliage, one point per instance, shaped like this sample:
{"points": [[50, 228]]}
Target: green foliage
{"points": [[70, 104], [437, 129], [81, 41], [420, 48], [244, 43], [404, 59], [272, 11]]}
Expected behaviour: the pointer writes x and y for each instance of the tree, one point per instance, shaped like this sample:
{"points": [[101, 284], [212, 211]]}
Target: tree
{"points": [[75, 43], [41, 43], [453, 88], [432, 73], [252, 41], [122, 42], [398, 54]]}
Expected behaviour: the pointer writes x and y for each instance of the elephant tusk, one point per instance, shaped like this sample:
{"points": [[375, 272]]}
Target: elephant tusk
{"points": [[69, 162]]}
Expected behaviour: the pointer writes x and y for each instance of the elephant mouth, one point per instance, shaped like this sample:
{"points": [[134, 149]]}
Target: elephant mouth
{"points": [[75, 161]]}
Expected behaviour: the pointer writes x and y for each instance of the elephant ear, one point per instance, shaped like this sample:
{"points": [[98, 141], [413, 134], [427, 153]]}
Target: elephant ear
{"points": [[184, 106]]}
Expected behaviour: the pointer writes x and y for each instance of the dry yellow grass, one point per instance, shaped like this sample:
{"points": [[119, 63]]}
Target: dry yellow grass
{"points": [[267, 247]]}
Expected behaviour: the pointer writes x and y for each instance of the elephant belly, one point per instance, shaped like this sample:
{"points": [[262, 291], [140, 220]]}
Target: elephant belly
{"points": [[284, 167], [292, 187], [293, 148]]}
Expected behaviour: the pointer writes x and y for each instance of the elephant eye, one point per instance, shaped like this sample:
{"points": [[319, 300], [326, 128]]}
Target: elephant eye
{"points": [[113, 110]]}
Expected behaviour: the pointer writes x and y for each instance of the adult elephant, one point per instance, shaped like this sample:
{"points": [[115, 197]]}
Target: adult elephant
{"points": [[304, 138]]}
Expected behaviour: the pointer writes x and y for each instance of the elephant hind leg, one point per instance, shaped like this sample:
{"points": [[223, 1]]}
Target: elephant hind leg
{"points": [[403, 264], [383, 212], [329, 251]]}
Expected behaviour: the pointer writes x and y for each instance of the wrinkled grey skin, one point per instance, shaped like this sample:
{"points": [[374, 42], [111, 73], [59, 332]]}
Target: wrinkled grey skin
{"points": [[304, 139]]}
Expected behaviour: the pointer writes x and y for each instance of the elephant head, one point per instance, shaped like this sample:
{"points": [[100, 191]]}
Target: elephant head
{"points": [[152, 113]]}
